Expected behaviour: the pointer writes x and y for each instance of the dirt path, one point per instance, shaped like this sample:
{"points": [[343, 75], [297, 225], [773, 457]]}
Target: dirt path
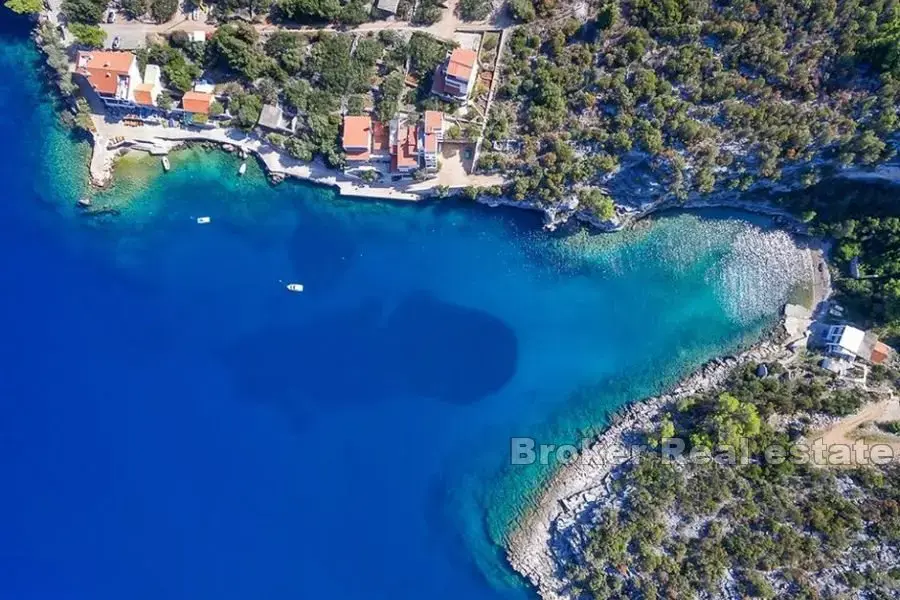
{"points": [[858, 431]]}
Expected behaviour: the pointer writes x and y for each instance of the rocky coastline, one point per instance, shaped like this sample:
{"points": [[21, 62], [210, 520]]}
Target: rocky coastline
{"points": [[534, 548], [537, 546]]}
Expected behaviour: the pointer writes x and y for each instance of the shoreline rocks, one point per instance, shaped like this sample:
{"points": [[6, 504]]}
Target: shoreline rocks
{"points": [[530, 547]]}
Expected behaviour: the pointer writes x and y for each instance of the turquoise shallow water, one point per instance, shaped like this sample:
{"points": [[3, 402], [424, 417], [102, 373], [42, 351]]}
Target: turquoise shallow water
{"points": [[176, 425]]}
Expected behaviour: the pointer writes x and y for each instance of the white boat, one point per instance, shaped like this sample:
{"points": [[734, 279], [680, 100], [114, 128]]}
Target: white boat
{"points": [[203, 220], [243, 168], [165, 163], [295, 287]]}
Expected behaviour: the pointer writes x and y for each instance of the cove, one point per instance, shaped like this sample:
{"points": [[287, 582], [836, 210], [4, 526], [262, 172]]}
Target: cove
{"points": [[176, 425]]}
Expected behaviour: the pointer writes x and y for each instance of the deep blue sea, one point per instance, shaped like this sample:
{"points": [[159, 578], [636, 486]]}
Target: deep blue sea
{"points": [[174, 424]]}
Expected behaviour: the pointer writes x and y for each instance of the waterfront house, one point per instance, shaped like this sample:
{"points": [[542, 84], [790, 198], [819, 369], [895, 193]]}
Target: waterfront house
{"points": [[196, 107], [851, 343], [454, 78], [432, 132], [357, 138], [146, 93], [845, 341], [113, 76], [271, 117], [404, 147]]}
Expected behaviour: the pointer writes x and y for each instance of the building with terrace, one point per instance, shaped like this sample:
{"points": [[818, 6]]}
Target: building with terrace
{"points": [[113, 76], [455, 78]]}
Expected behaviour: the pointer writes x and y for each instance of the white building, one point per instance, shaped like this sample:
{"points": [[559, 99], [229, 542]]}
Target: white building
{"points": [[845, 341]]}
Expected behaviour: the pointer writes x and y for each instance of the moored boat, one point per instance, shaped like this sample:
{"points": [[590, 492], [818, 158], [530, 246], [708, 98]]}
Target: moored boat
{"points": [[165, 164]]}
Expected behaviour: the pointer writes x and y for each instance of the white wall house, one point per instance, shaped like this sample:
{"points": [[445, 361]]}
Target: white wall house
{"points": [[845, 341]]}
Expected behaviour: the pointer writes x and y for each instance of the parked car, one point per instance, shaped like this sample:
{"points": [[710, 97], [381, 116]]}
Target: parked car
{"points": [[116, 42], [111, 17]]}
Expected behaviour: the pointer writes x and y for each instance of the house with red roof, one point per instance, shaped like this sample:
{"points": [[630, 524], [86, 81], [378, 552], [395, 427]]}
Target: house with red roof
{"points": [[432, 137], [147, 92], [196, 107], [113, 76], [455, 78], [356, 139]]}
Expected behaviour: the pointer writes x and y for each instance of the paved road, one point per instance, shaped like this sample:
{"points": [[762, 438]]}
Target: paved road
{"points": [[133, 33]]}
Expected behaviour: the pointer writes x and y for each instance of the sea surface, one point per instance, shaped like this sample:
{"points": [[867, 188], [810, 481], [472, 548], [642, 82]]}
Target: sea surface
{"points": [[174, 424]]}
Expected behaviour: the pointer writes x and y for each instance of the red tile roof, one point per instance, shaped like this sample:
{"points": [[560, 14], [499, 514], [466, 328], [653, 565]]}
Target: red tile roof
{"points": [[196, 102], [406, 156], [357, 137], [103, 69], [434, 121], [880, 353], [357, 131], [381, 137], [143, 94], [461, 63]]}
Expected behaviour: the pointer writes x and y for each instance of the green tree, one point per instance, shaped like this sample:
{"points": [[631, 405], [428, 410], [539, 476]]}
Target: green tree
{"points": [[235, 46], [310, 10], [287, 49], [332, 63], [597, 202], [426, 52], [135, 8], [354, 12], [163, 10], [24, 7], [84, 11], [523, 10], [88, 35], [245, 109], [474, 10]]}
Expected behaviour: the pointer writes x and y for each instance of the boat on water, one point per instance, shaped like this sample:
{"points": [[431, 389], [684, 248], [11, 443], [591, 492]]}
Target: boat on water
{"points": [[203, 220], [243, 168], [295, 287], [165, 164]]}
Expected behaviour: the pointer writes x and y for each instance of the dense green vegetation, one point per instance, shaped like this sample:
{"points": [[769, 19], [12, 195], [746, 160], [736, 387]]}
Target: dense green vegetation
{"points": [[682, 527], [24, 7], [713, 95], [311, 75], [863, 219], [88, 35]]}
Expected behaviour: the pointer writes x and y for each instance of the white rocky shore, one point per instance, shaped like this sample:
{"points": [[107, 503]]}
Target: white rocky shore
{"points": [[535, 547], [530, 547]]}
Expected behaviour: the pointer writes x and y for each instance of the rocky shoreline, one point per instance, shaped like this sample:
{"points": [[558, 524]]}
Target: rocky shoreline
{"points": [[532, 550], [536, 546]]}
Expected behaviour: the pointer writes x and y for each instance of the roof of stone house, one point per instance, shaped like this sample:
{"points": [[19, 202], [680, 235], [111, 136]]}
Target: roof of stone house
{"points": [[388, 5], [271, 116], [143, 94], [197, 102]]}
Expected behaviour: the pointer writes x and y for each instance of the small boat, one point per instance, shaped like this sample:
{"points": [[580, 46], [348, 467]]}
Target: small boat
{"points": [[84, 202], [243, 168], [165, 163], [203, 220], [295, 287]]}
